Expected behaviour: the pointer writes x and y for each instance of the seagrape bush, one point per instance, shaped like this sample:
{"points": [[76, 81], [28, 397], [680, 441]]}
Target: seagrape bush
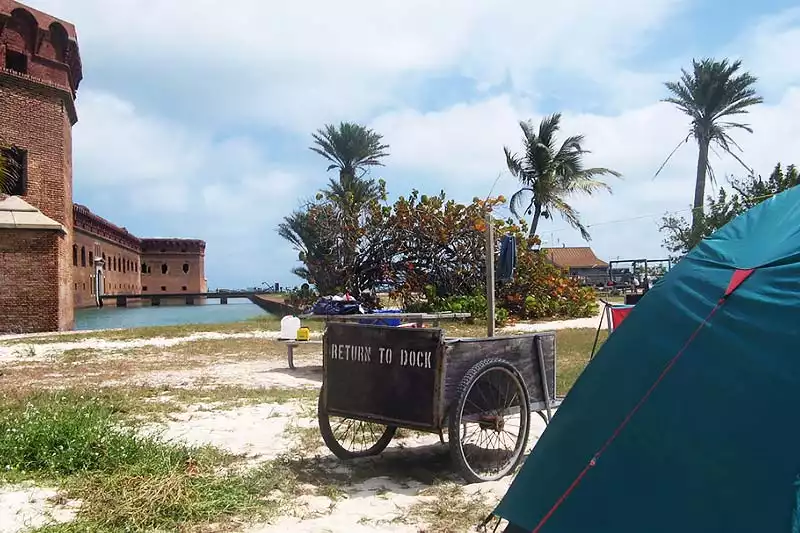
{"points": [[429, 253]]}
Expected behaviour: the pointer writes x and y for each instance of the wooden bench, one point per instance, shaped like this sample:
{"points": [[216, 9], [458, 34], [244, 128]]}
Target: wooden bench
{"points": [[292, 344]]}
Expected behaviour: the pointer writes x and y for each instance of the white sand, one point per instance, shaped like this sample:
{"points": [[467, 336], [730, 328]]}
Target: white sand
{"points": [[33, 352], [265, 373], [24, 507], [573, 323], [260, 432], [256, 431]]}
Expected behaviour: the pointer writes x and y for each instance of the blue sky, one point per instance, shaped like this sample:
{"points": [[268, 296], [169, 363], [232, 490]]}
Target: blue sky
{"points": [[195, 116]]}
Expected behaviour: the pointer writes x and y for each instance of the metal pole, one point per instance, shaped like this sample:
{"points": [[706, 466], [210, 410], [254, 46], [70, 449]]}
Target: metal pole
{"points": [[490, 275]]}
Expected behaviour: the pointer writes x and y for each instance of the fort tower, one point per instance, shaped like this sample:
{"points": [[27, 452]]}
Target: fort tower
{"points": [[40, 70]]}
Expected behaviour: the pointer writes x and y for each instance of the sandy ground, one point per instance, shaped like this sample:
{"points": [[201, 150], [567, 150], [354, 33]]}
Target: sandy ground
{"points": [[574, 323], [263, 432], [23, 507], [32, 352]]}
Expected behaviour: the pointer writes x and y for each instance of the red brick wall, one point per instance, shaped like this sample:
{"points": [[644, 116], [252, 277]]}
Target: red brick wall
{"points": [[35, 120], [121, 273], [30, 267], [175, 280]]}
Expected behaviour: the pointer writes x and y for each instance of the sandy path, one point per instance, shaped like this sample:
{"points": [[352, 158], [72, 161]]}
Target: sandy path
{"points": [[574, 323]]}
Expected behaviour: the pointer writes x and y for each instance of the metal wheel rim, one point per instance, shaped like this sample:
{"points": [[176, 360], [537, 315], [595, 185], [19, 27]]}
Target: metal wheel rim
{"points": [[359, 433], [519, 436]]}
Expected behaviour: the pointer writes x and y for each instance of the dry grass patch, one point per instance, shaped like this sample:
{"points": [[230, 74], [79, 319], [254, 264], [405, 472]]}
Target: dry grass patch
{"points": [[448, 508]]}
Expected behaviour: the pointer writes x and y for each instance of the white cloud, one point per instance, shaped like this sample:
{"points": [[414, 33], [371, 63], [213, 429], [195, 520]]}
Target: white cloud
{"points": [[463, 145], [297, 64], [167, 82], [186, 182]]}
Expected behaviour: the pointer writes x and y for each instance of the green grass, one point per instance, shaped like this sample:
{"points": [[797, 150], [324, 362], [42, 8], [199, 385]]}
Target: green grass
{"points": [[125, 481], [573, 348]]}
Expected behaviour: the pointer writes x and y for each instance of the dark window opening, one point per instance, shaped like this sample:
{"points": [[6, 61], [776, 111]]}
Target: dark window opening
{"points": [[84, 286], [183, 250], [15, 161], [186, 268], [183, 288], [164, 268], [144, 288], [163, 288], [16, 61], [74, 255], [83, 256], [91, 258]]}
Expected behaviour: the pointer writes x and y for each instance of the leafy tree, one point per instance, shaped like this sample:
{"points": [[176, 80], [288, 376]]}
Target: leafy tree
{"points": [[350, 147], [711, 95], [426, 245], [549, 174], [681, 236]]}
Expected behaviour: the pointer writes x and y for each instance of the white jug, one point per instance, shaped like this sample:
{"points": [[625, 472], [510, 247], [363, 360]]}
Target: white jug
{"points": [[289, 326]]}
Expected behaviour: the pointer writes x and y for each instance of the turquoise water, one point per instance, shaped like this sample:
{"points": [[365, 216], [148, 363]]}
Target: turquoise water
{"points": [[211, 312]]}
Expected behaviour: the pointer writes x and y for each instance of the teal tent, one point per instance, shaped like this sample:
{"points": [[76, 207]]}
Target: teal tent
{"points": [[688, 418]]}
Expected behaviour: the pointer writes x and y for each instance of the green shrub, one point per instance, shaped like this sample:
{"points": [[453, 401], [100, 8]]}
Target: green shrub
{"points": [[475, 305]]}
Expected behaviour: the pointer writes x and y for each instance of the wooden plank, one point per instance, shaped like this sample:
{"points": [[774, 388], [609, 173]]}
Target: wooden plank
{"points": [[382, 373], [519, 350]]}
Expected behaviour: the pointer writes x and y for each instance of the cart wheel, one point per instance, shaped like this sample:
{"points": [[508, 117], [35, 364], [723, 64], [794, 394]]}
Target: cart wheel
{"points": [[489, 423], [348, 438]]}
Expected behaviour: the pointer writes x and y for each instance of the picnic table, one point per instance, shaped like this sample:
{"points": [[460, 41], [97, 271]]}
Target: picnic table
{"points": [[416, 319]]}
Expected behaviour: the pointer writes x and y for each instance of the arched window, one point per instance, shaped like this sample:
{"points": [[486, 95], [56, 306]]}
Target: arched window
{"points": [[74, 255], [58, 36], [144, 268], [164, 268], [83, 256], [91, 257], [186, 268]]}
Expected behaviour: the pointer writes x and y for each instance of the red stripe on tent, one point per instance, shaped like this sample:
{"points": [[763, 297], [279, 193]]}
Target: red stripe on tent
{"points": [[618, 314], [737, 279], [636, 408]]}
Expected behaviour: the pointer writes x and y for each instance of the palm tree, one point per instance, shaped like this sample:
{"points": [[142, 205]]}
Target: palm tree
{"points": [[350, 148], [550, 174], [711, 94], [8, 177]]}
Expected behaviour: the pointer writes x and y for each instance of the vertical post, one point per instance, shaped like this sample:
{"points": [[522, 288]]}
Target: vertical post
{"points": [[490, 275]]}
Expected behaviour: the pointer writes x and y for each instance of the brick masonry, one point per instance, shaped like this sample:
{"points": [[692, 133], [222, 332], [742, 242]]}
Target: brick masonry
{"points": [[41, 285], [30, 262]]}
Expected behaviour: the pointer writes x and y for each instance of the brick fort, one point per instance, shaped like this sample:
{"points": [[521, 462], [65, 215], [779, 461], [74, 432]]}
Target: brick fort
{"points": [[56, 256]]}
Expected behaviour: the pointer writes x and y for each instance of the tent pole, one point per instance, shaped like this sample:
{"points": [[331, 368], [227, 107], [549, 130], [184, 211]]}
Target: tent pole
{"points": [[490, 309], [599, 327]]}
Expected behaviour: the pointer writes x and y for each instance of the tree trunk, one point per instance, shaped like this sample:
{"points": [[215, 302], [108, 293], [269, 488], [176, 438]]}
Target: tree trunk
{"points": [[537, 213], [700, 182]]}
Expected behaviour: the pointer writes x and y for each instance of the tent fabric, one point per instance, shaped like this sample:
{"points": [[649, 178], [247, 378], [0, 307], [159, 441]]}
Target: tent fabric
{"points": [[618, 314], [686, 419]]}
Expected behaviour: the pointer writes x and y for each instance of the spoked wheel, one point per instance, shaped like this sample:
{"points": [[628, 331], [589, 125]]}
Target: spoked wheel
{"points": [[489, 423], [349, 438]]}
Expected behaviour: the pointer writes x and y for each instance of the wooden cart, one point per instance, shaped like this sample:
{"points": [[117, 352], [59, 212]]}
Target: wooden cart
{"points": [[482, 391]]}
